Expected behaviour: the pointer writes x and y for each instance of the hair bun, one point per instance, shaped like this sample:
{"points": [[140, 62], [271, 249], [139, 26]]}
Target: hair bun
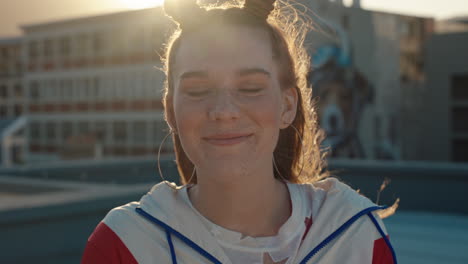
{"points": [[182, 11], [259, 8]]}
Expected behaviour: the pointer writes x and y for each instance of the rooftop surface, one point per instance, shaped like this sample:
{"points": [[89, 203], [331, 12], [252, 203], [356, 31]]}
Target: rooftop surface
{"points": [[429, 238]]}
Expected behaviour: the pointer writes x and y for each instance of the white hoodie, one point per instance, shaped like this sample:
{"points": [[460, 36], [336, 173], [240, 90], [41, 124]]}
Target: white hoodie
{"points": [[163, 228]]}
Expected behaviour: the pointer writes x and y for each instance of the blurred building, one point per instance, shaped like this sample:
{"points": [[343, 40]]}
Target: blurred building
{"points": [[452, 25], [93, 86], [12, 102], [379, 61], [445, 130]]}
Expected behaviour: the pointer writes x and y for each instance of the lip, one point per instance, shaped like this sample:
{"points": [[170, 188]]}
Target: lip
{"points": [[227, 139]]}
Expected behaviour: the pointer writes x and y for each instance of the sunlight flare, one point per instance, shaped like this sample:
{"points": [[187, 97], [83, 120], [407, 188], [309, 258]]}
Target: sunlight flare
{"points": [[139, 4]]}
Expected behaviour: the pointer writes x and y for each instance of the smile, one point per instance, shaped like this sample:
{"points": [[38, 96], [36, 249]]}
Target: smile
{"points": [[227, 139]]}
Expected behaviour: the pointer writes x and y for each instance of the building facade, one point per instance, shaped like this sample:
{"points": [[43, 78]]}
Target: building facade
{"points": [[11, 69], [445, 130], [94, 86], [12, 102]]}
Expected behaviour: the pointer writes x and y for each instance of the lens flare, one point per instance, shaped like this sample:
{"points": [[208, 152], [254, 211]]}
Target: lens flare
{"points": [[139, 4]]}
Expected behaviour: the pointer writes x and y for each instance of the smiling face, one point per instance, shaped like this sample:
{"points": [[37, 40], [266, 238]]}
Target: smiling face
{"points": [[228, 106]]}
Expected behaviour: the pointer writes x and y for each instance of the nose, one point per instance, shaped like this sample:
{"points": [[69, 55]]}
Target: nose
{"points": [[223, 106]]}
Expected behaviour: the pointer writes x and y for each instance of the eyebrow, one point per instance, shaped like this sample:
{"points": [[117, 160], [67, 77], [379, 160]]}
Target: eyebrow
{"points": [[249, 71], [241, 72]]}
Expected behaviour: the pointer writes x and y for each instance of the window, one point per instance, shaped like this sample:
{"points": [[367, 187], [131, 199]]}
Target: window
{"points": [[101, 131], [34, 86], [61, 90], [18, 90], [4, 53], [87, 88], [3, 91], [53, 89], [17, 110], [81, 45], [50, 131], [3, 111], [83, 127], [126, 86], [460, 87], [67, 130], [120, 131], [117, 40], [95, 87], [3, 69], [35, 131], [139, 132], [48, 48], [460, 119], [33, 50], [78, 89], [18, 67], [98, 42], [68, 89], [65, 46], [460, 150]]}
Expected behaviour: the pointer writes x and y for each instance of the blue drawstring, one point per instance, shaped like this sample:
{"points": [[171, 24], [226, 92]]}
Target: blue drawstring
{"points": [[170, 231], [382, 233], [171, 246], [338, 231]]}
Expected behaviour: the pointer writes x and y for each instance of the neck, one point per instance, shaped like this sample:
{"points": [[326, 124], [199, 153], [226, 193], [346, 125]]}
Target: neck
{"points": [[253, 204]]}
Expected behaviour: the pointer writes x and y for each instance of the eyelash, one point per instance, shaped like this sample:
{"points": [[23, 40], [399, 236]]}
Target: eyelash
{"points": [[251, 89], [246, 89]]}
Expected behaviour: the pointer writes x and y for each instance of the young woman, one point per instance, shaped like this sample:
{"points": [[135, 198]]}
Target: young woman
{"points": [[247, 148]]}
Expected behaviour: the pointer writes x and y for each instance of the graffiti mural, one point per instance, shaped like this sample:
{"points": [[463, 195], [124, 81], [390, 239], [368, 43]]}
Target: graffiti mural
{"points": [[342, 93]]}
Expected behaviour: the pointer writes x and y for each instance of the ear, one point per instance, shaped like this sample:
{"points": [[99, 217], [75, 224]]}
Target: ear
{"points": [[289, 106]]}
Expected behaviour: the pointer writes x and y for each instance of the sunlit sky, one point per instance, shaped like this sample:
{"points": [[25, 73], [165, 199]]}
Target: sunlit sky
{"points": [[14, 13]]}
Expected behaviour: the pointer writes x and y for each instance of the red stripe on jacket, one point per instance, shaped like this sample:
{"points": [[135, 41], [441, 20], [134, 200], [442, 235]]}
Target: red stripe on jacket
{"points": [[105, 247], [382, 253]]}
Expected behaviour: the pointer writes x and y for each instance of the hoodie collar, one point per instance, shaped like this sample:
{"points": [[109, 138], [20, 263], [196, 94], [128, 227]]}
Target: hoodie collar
{"points": [[339, 204], [165, 203]]}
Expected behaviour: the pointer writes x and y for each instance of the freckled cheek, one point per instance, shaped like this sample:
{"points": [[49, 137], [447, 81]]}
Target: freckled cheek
{"points": [[266, 114], [188, 120]]}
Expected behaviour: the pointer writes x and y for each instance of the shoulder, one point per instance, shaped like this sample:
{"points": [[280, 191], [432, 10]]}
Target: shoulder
{"points": [[104, 246], [123, 235], [333, 193]]}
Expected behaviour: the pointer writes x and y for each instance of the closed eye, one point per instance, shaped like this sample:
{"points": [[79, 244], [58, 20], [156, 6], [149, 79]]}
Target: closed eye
{"points": [[195, 88], [251, 89], [197, 93]]}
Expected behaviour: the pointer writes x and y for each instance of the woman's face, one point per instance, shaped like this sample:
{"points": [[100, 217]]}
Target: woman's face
{"points": [[227, 101]]}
